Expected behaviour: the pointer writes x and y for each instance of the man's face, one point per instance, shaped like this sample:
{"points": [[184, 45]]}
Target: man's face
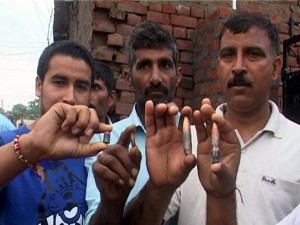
{"points": [[100, 99], [67, 80], [154, 76], [246, 68]]}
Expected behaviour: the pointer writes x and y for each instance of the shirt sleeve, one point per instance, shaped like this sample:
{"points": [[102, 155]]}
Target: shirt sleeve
{"points": [[92, 195]]}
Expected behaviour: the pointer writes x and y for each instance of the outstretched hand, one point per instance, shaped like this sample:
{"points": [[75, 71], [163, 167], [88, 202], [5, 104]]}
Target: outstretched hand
{"points": [[116, 169], [218, 179], [167, 164], [64, 132]]}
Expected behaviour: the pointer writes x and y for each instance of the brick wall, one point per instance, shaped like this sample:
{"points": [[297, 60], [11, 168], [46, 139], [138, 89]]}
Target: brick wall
{"points": [[193, 24]]}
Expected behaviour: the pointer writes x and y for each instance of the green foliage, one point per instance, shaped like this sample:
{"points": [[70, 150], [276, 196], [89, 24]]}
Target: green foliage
{"points": [[20, 111]]}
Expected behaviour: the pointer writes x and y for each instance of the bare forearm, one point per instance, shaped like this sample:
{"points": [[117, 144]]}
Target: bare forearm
{"points": [[108, 213], [221, 211], [149, 207]]}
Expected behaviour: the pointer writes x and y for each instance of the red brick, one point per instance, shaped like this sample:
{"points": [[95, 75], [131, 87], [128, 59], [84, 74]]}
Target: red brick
{"points": [[186, 57], [185, 45], [101, 14], [127, 97], [124, 29], [187, 83], [169, 8], [115, 40], [190, 33], [213, 45], [183, 21], [186, 69], [283, 28], [122, 85], [121, 58], [155, 6], [103, 26], [123, 108], [168, 28], [117, 14], [103, 4], [184, 93], [158, 17], [183, 10], [179, 32], [133, 19], [132, 7], [197, 12], [103, 53]]}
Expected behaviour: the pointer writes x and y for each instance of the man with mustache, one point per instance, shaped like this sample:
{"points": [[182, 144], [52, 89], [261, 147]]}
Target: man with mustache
{"points": [[154, 74], [267, 184]]}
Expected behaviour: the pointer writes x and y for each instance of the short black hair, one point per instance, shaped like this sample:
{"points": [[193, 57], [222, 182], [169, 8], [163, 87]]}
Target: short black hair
{"points": [[150, 35], [242, 22], [66, 48], [103, 72]]}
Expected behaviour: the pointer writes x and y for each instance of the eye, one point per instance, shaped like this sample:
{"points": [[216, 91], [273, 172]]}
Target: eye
{"points": [[82, 87], [255, 53], [58, 82], [166, 64], [226, 53], [143, 65], [96, 87]]}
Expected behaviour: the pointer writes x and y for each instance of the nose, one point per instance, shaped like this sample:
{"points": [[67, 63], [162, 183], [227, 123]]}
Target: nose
{"points": [[156, 75], [69, 96], [239, 65]]}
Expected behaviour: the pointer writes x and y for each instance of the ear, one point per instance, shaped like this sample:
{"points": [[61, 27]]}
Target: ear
{"points": [[179, 75], [127, 76], [277, 66], [38, 86], [112, 99]]}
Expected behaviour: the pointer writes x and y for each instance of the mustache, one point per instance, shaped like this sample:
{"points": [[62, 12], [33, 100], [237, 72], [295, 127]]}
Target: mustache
{"points": [[157, 88], [239, 80]]}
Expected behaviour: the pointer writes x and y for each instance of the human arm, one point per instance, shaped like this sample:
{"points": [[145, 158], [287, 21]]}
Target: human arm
{"points": [[63, 132], [167, 164], [217, 179], [115, 171]]}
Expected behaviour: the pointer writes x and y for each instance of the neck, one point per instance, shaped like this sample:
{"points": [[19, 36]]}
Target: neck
{"points": [[248, 123]]}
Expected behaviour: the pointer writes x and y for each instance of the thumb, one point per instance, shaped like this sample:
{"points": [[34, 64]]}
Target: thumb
{"points": [[87, 150]]}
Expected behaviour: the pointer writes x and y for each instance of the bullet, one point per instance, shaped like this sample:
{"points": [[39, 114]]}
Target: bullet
{"points": [[106, 138], [215, 141], [187, 139], [132, 140]]}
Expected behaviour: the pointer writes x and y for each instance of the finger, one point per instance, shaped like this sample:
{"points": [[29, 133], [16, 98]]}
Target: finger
{"points": [[100, 171], [225, 129], [114, 164], [160, 112], [68, 114], [87, 149], [136, 157], [82, 120], [149, 119], [207, 111], [200, 126], [125, 136], [186, 111], [172, 111]]}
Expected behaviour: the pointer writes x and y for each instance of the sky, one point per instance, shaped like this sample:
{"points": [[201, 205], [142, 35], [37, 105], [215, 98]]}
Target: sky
{"points": [[26, 28]]}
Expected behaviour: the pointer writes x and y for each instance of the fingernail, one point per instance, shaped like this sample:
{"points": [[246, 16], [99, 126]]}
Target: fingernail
{"points": [[131, 182], [134, 172], [121, 182], [90, 132], [76, 131]]}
